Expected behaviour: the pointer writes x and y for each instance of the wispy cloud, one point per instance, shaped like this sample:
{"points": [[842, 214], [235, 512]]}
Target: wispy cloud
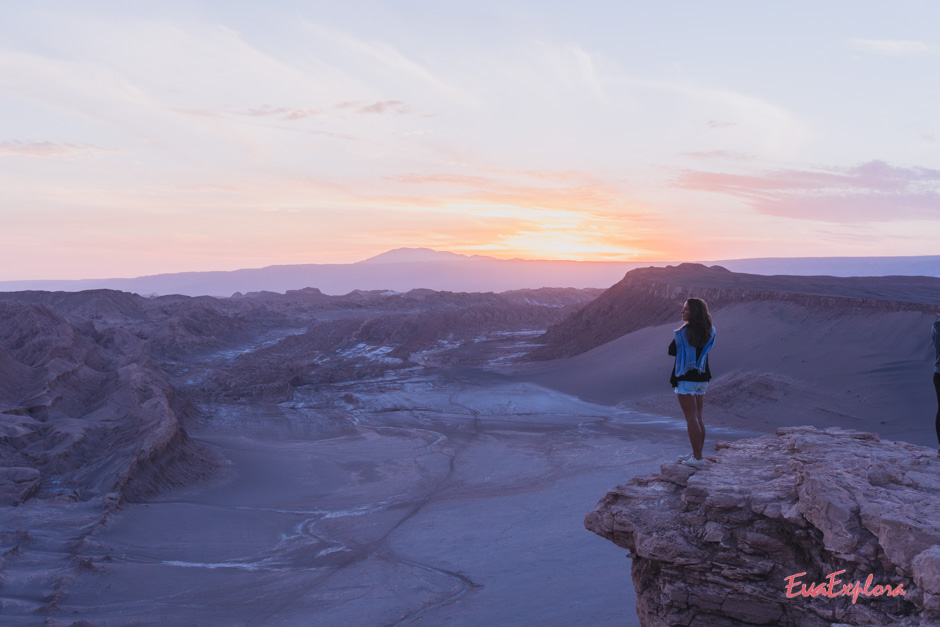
{"points": [[703, 111], [50, 149], [289, 114], [564, 65], [719, 154], [895, 47], [873, 191], [298, 114], [571, 193], [392, 61], [266, 110], [377, 107], [282, 113], [384, 106]]}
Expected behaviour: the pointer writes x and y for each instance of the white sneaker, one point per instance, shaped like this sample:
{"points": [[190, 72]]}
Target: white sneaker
{"points": [[682, 458], [694, 463]]}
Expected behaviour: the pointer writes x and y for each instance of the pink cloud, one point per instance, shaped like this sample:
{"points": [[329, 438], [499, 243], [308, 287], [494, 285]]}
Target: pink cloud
{"points": [[378, 107], [873, 191], [49, 149], [266, 110], [457, 179], [383, 106], [283, 113], [298, 114], [718, 154], [593, 199], [568, 177]]}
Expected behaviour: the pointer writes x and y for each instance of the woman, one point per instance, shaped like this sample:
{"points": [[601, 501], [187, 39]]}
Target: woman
{"points": [[690, 375], [936, 370]]}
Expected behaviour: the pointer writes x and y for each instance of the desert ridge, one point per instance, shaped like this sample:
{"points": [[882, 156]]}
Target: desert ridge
{"points": [[822, 351]]}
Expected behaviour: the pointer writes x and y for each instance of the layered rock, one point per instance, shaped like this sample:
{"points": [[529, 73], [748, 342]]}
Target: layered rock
{"points": [[83, 418], [740, 541]]}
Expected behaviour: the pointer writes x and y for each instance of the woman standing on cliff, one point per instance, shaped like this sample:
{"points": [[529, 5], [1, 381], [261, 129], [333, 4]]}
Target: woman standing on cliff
{"points": [[936, 370], [690, 376]]}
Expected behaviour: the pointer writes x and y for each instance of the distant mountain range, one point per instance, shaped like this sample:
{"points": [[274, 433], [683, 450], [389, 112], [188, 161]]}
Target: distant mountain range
{"points": [[405, 269]]}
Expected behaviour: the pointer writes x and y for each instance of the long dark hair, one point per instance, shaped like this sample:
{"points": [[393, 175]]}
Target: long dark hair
{"points": [[699, 327]]}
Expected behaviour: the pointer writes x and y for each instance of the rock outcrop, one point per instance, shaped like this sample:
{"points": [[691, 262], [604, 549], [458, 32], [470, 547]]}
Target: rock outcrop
{"points": [[743, 540], [82, 414]]}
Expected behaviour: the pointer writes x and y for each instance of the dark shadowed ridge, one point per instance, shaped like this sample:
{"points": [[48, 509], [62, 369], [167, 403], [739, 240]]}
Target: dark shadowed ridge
{"points": [[651, 296]]}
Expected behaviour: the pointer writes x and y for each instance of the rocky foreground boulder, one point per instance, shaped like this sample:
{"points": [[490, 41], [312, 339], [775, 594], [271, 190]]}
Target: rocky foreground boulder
{"points": [[777, 530]]}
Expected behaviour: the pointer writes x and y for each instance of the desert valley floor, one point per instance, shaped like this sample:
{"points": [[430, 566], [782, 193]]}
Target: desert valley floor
{"points": [[387, 459], [444, 499]]}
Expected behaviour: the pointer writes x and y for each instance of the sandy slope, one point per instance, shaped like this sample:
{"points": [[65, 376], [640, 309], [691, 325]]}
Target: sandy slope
{"points": [[776, 363]]}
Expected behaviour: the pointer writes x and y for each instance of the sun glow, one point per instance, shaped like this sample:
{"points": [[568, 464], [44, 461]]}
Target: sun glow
{"points": [[538, 232], [557, 244], [226, 138]]}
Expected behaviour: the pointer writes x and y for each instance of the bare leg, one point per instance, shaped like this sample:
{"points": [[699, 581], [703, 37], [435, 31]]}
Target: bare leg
{"points": [[693, 419], [699, 403], [936, 384]]}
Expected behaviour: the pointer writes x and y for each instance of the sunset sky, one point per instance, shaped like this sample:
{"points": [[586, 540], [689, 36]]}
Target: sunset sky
{"points": [[141, 138]]}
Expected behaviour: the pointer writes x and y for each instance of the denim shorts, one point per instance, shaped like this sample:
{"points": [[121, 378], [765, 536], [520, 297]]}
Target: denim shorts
{"points": [[692, 387]]}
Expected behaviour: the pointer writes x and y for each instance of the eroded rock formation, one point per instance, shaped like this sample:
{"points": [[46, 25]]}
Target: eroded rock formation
{"points": [[715, 547], [83, 414], [96, 387], [105, 397]]}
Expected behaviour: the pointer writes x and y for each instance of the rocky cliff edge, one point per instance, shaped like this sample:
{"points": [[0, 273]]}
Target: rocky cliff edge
{"points": [[777, 530]]}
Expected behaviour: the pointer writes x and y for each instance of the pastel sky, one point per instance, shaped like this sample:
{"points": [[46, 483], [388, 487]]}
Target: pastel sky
{"points": [[141, 138]]}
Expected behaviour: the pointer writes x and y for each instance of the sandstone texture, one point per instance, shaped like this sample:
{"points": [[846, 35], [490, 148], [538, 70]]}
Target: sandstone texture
{"points": [[714, 547]]}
